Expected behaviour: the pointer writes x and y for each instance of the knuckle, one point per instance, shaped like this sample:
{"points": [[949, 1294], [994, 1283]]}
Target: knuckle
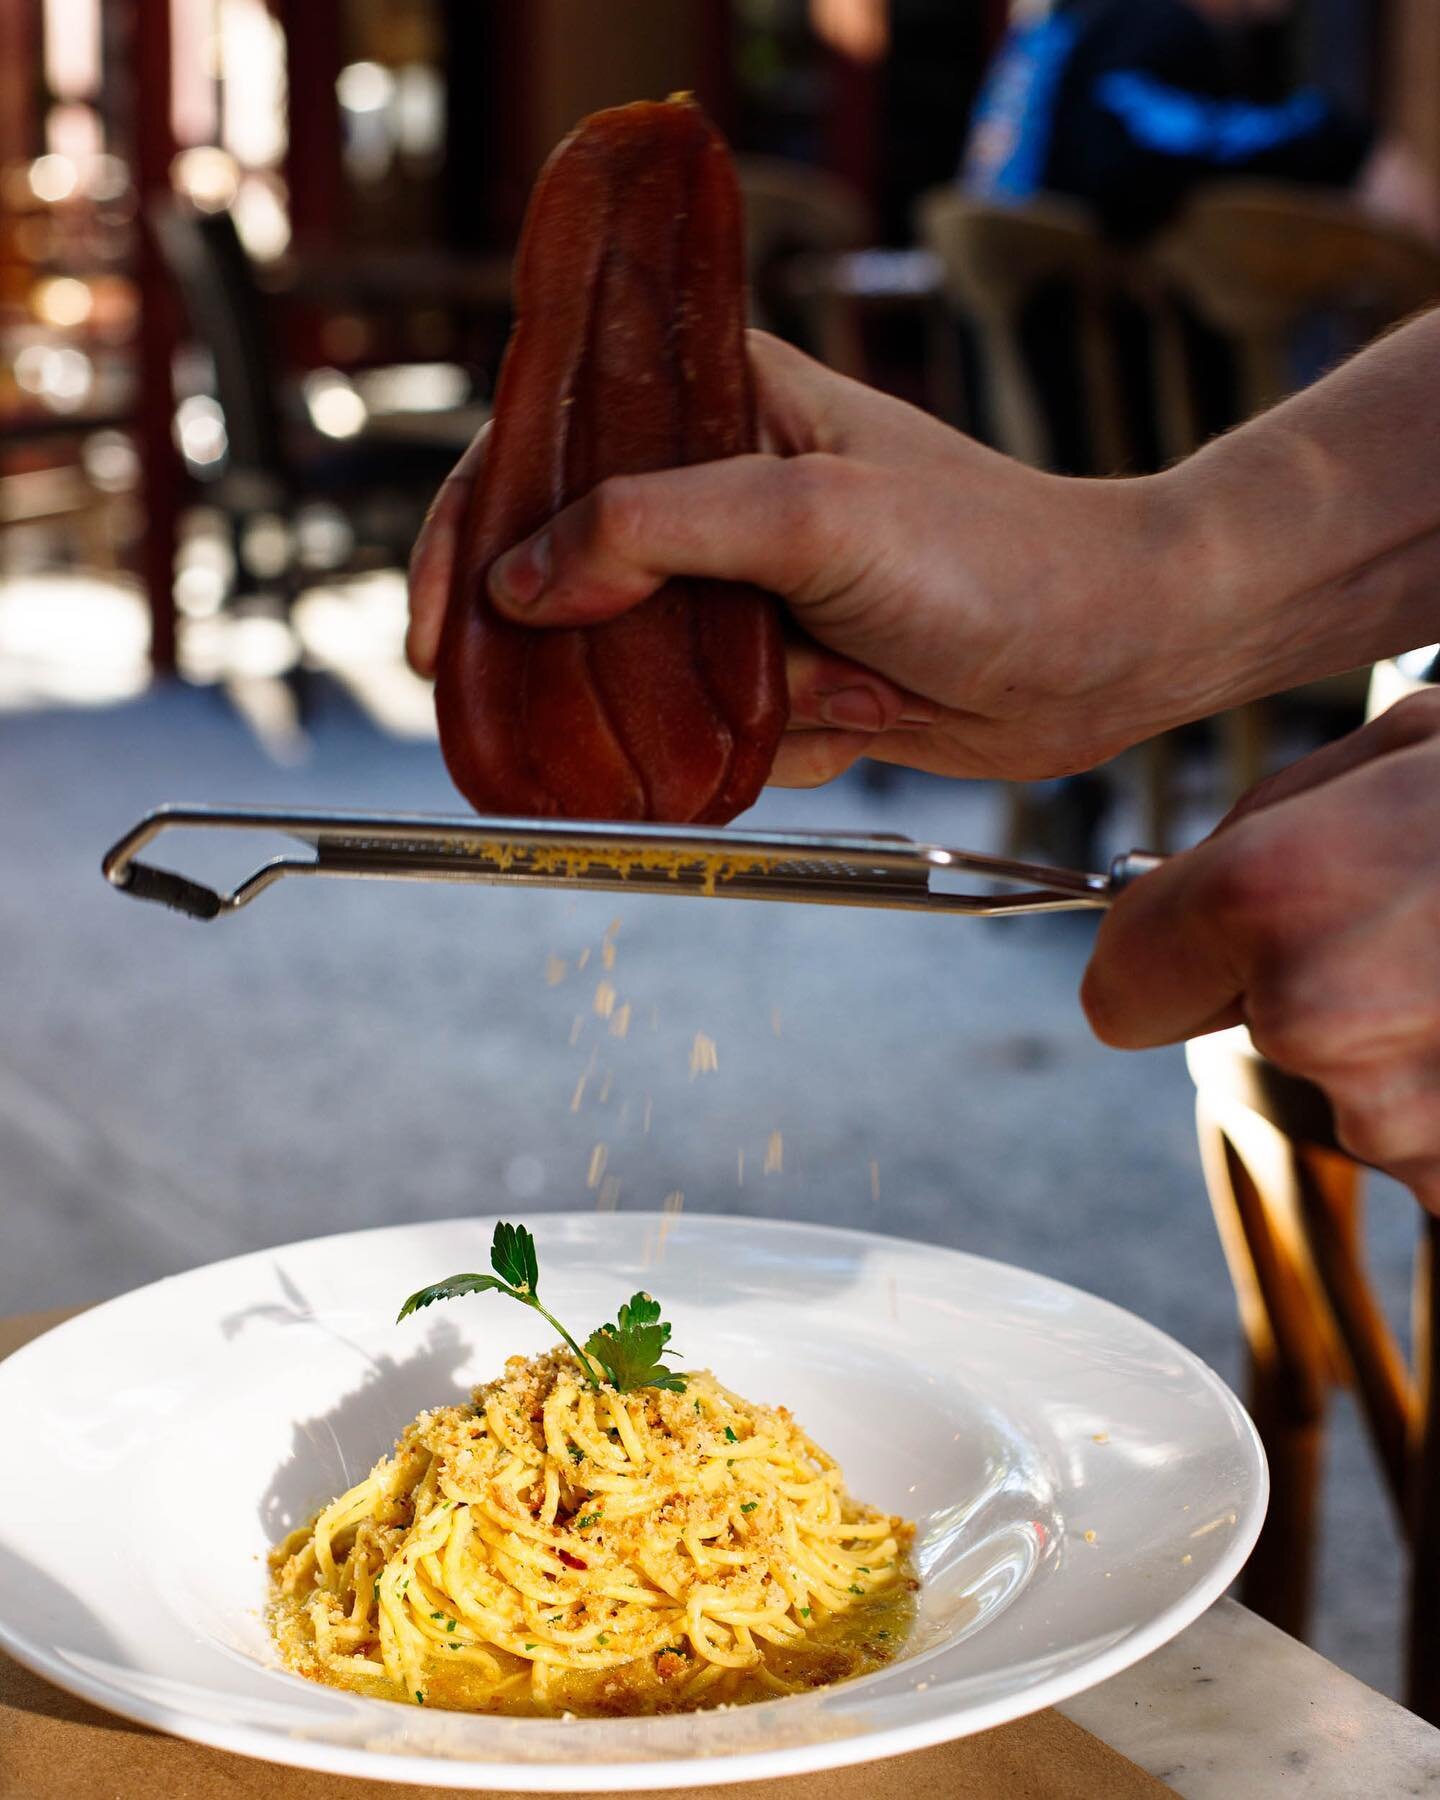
{"points": [[817, 487], [1383, 1122], [1413, 720], [1251, 879], [615, 517], [1304, 1013], [1293, 1037]]}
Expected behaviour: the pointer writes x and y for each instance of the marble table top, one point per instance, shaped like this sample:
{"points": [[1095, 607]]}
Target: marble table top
{"points": [[1233, 1709]]}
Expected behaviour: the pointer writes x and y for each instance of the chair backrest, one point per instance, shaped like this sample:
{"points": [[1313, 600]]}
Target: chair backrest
{"points": [[226, 310], [794, 212], [1257, 261], [996, 261]]}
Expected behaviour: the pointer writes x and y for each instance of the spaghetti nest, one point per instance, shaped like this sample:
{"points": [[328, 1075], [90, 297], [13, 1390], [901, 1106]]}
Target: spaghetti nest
{"points": [[552, 1547]]}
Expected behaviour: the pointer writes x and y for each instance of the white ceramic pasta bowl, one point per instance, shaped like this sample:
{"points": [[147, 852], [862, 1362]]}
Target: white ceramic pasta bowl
{"points": [[1083, 1486]]}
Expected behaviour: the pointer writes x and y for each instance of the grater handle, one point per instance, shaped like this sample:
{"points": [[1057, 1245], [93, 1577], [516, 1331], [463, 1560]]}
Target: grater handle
{"points": [[145, 882]]}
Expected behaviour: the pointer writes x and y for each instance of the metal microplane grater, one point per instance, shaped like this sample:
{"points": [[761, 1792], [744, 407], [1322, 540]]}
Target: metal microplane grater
{"points": [[825, 868]]}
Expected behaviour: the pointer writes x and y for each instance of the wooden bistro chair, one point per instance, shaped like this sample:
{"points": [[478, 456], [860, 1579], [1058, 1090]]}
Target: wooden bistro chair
{"points": [[1259, 263], [996, 261], [798, 217], [1287, 1202]]}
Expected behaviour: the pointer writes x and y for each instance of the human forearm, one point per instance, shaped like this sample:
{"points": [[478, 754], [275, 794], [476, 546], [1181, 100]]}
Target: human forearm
{"points": [[1309, 539]]}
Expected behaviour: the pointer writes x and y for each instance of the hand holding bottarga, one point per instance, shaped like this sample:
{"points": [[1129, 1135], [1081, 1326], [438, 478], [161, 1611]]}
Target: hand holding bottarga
{"points": [[628, 356]]}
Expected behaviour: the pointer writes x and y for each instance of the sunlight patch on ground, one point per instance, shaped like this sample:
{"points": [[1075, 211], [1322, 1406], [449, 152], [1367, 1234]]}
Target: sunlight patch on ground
{"points": [[71, 639], [81, 639]]}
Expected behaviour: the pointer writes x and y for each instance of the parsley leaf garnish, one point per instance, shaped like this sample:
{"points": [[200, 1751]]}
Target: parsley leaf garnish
{"points": [[629, 1351], [517, 1273], [513, 1258]]}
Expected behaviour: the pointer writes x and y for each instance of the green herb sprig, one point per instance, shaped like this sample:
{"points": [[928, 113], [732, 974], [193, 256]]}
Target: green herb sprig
{"points": [[629, 1351]]}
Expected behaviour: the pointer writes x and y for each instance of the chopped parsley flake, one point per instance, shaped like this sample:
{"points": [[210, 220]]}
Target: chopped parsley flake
{"points": [[604, 1638], [804, 1612], [856, 1590], [589, 1519], [576, 1453], [730, 1437], [419, 1698], [531, 1646], [749, 1506], [450, 1624]]}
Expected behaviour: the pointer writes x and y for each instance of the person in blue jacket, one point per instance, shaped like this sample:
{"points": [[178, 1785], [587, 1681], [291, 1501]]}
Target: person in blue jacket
{"points": [[1128, 104]]}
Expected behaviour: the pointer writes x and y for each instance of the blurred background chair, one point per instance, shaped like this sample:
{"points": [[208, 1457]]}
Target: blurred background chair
{"points": [[798, 221], [374, 475], [1268, 265], [1288, 1207], [996, 264], [1047, 303]]}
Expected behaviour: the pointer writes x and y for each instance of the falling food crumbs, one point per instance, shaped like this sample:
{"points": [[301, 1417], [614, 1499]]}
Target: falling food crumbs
{"points": [[579, 1094], [576, 1029], [609, 1195], [775, 1154], [673, 1204], [703, 1058], [556, 969], [1101, 1437], [598, 1158], [1089, 1537], [620, 1021], [582, 958], [605, 999]]}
